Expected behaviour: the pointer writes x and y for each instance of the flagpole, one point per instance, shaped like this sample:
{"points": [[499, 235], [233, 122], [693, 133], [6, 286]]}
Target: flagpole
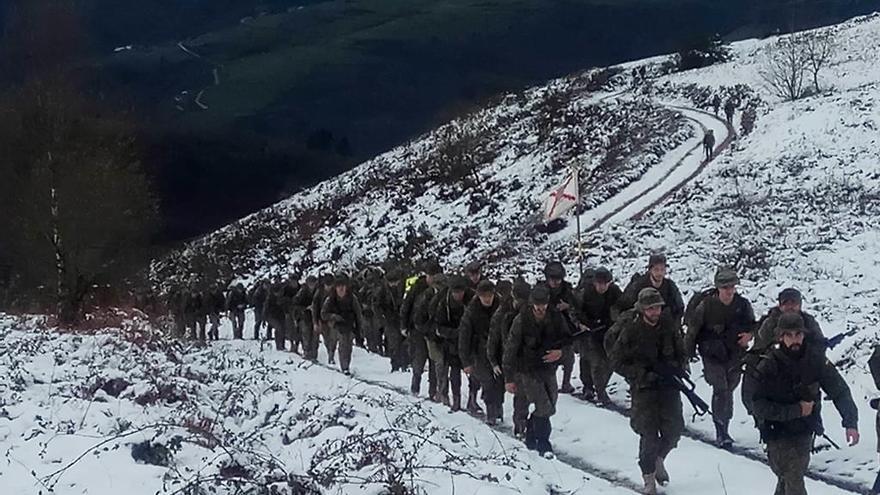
{"points": [[577, 195]]}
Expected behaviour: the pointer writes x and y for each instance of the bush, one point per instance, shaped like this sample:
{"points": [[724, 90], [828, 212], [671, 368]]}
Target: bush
{"points": [[702, 52]]}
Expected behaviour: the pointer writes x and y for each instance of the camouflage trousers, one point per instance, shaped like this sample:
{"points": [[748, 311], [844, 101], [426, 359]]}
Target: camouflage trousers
{"points": [[237, 317], [345, 340], [309, 337], [328, 333], [567, 362], [541, 389], [196, 324], [723, 378], [373, 333], [395, 346], [595, 370], [657, 418], [293, 332], [789, 458], [214, 333], [258, 321], [418, 351], [275, 326], [492, 385], [520, 403]]}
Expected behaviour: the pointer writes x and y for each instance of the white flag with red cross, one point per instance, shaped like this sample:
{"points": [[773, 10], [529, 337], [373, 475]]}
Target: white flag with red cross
{"points": [[562, 198]]}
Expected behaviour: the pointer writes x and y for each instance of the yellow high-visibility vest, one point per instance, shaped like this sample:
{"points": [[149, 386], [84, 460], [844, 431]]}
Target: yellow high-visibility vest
{"points": [[410, 282]]}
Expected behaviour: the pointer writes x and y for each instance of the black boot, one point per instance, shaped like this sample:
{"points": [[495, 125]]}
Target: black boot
{"points": [[519, 429], [531, 433], [722, 438], [543, 428], [416, 384]]}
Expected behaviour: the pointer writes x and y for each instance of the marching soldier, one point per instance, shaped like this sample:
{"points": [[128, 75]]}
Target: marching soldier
{"points": [[415, 320], [236, 303], [472, 348], [597, 310], [783, 391], [648, 342], [448, 308], [502, 320], [321, 327], [305, 320], [533, 350], [721, 328], [342, 311], [562, 298], [655, 278]]}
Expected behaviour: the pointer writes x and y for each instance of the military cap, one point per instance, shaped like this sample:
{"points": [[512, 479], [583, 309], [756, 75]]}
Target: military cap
{"points": [[789, 322], [790, 295], [603, 275], [540, 295], [656, 259], [648, 298], [485, 287], [521, 290], [725, 276], [554, 269]]}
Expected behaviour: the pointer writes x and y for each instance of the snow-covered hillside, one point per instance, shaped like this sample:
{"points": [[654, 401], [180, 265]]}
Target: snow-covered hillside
{"points": [[795, 202]]}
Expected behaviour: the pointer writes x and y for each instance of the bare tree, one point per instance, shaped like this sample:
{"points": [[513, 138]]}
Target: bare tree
{"points": [[784, 67], [819, 48], [76, 199]]}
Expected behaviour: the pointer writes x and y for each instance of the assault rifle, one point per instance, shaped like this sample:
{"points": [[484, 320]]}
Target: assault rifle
{"points": [[683, 382]]}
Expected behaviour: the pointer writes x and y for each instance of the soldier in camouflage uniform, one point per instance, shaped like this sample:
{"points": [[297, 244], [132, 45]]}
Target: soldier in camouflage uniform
{"points": [[291, 288], [649, 342], [342, 311], [236, 303], [790, 301], [305, 320], [321, 327], [215, 303], [502, 320], [387, 299], [783, 390], [473, 339], [257, 297], [533, 350], [414, 320], [275, 316], [721, 328], [657, 279], [563, 299], [598, 310], [195, 314], [369, 279], [447, 310]]}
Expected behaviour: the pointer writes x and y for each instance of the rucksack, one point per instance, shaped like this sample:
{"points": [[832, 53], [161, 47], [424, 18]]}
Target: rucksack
{"points": [[695, 301]]}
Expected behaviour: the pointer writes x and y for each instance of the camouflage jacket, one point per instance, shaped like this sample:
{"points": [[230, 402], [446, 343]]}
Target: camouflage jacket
{"points": [[529, 340], [640, 349], [473, 332]]}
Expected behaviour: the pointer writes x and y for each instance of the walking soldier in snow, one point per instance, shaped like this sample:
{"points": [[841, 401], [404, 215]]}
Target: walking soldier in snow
{"points": [[415, 322], [502, 320], [721, 327], [447, 310], [532, 352], [729, 109], [648, 343], [716, 104], [342, 311], [236, 303], [473, 340], [275, 316], [709, 143], [321, 326], [655, 278], [387, 300], [305, 321], [562, 298], [195, 314], [598, 310], [257, 297], [291, 288], [215, 303], [783, 390]]}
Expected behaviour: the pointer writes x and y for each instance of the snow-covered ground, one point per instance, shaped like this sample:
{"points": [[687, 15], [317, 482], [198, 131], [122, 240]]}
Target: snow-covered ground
{"points": [[238, 414], [795, 202]]}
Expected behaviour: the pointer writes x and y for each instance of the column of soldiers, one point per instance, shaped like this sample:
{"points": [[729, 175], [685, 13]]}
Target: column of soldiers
{"points": [[511, 337]]}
